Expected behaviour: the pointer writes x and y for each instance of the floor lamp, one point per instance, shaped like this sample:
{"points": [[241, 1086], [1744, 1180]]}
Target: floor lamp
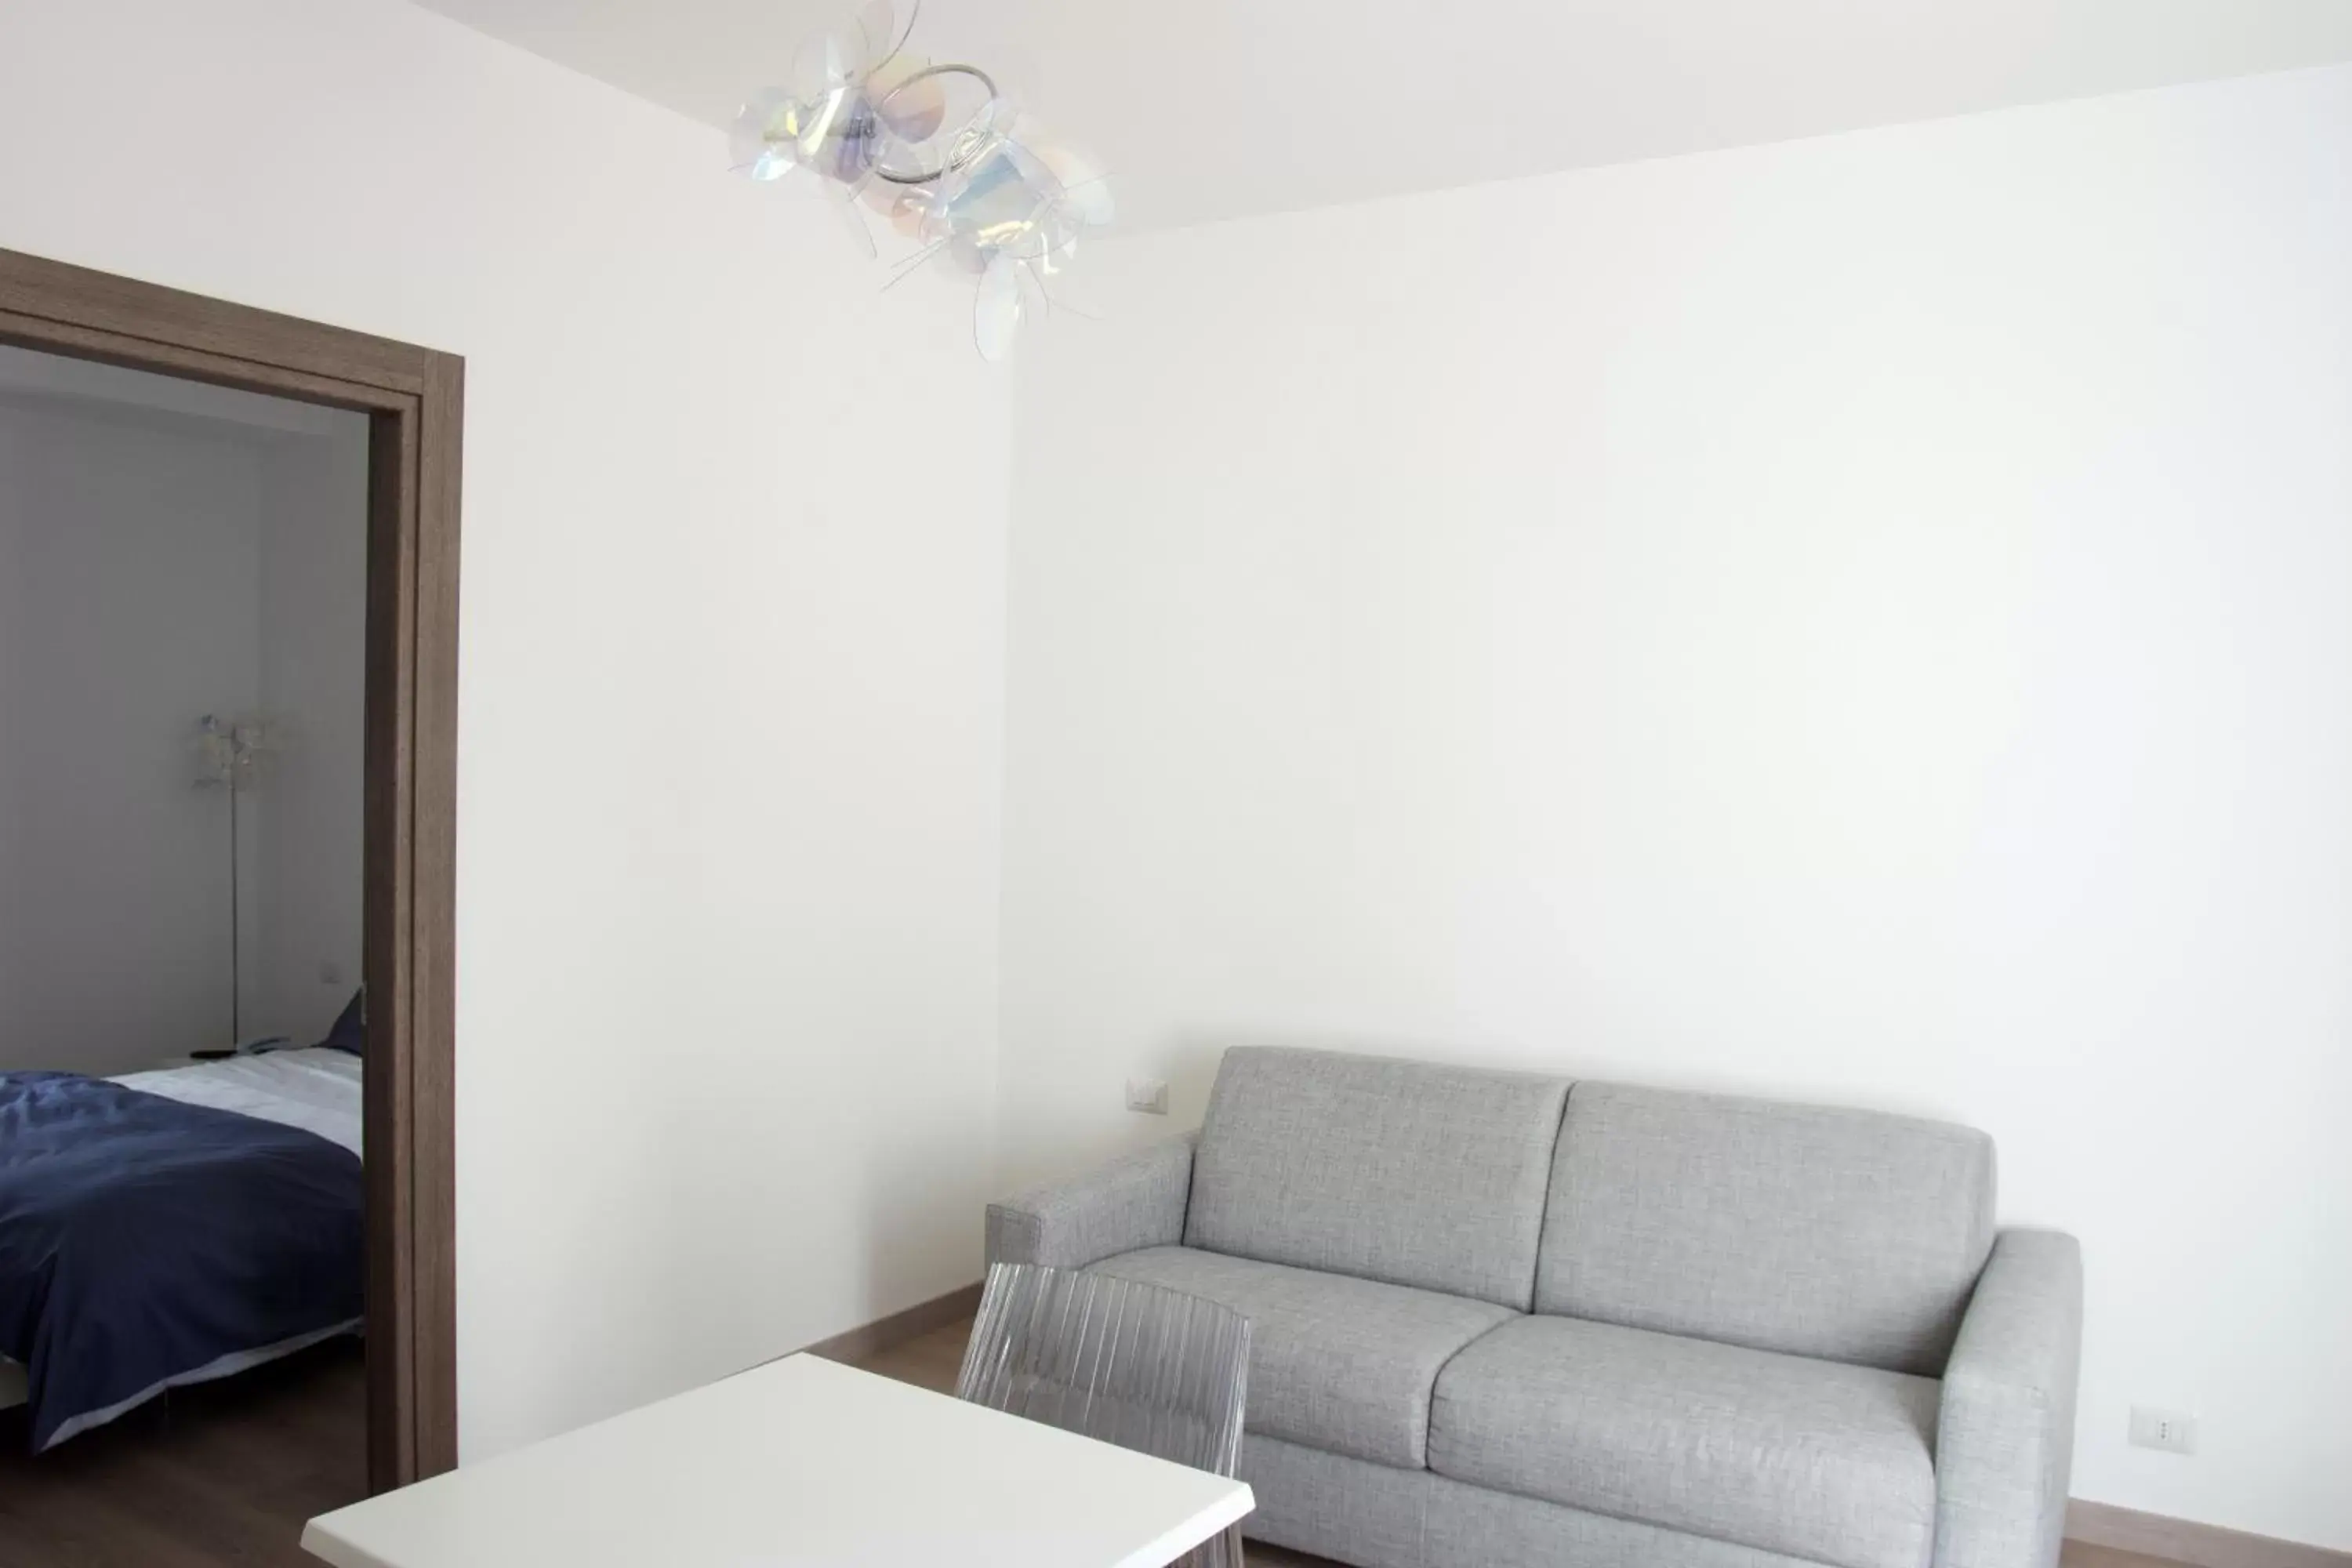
{"points": [[228, 758]]}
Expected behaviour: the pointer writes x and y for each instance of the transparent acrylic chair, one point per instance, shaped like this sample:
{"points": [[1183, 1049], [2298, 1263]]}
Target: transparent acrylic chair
{"points": [[1139, 1365]]}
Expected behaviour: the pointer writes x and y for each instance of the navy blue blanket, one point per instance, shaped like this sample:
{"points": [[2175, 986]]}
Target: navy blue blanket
{"points": [[142, 1240]]}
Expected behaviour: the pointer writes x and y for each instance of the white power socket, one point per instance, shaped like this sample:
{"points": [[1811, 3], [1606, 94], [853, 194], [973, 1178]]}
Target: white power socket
{"points": [[1148, 1095], [2166, 1429]]}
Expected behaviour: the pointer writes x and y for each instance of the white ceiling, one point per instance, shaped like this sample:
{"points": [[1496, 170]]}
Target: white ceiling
{"points": [[1213, 109]]}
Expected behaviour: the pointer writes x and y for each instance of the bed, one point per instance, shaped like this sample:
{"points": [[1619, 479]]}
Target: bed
{"points": [[169, 1227]]}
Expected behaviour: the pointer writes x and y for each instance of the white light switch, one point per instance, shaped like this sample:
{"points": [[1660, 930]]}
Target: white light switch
{"points": [[1148, 1095]]}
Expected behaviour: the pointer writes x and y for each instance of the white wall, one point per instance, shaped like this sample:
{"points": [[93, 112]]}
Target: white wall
{"points": [[1867, 619], [128, 610], [730, 687]]}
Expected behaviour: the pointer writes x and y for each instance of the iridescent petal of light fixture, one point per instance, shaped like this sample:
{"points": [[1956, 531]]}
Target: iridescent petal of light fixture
{"points": [[996, 308], [884, 39], [937, 118], [1083, 180], [940, 153], [910, 97], [766, 139]]}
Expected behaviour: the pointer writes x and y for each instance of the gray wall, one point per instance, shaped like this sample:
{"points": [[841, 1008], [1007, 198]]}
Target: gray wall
{"points": [[156, 565]]}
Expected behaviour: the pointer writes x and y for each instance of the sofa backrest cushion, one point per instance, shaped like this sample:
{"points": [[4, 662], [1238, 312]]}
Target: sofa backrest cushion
{"points": [[1403, 1172], [1843, 1235]]}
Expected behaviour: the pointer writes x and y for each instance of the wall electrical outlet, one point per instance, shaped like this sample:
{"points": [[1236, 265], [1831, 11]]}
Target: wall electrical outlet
{"points": [[1148, 1095], [2166, 1429]]}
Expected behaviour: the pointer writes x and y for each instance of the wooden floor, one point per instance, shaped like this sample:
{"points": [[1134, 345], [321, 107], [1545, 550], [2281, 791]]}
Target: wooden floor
{"points": [[209, 1477], [933, 1360]]}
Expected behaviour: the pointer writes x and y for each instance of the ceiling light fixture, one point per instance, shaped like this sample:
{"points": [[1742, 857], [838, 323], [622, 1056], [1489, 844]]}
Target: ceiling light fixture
{"points": [[938, 152]]}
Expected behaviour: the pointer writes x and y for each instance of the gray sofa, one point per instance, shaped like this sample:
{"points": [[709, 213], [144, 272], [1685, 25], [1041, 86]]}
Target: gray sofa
{"points": [[1501, 1318]]}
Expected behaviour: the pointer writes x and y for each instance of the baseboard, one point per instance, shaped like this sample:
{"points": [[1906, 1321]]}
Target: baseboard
{"points": [[889, 1334], [2184, 1540]]}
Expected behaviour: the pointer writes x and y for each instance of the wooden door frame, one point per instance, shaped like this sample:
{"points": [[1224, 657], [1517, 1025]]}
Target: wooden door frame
{"points": [[414, 398]]}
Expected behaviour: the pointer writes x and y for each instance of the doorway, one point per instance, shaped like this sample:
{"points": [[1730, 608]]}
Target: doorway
{"points": [[413, 399]]}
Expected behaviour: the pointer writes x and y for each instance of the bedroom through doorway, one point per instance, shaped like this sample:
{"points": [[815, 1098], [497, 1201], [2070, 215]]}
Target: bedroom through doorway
{"points": [[228, 662]]}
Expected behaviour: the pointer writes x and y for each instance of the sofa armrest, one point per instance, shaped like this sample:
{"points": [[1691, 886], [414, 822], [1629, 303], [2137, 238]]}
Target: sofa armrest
{"points": [[2005, 1440], [1135, 1202]]}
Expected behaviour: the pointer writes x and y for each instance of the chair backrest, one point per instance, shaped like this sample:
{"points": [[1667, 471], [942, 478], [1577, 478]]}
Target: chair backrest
{"points": [[1139, 1365], [1404, 1172], [1845, 1234]]}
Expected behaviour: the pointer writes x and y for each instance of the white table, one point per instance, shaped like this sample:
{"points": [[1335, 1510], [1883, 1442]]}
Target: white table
{"points": [[798, 1462]]}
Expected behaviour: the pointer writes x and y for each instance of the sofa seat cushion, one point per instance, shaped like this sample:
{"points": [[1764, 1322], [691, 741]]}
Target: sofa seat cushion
{"points": [[1810, 1459], [1336, 1362]]}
